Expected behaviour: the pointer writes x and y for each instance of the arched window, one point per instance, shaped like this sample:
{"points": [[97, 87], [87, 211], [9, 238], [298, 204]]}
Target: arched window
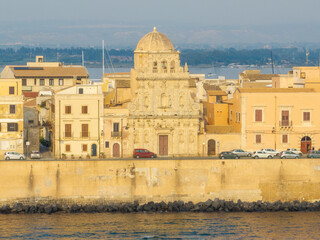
{"points": [[164, 66], [172, 66], [164, 100], [155, 67]]}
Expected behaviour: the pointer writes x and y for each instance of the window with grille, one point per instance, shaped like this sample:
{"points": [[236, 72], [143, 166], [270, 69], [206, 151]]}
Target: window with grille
{"points": [[106, 145], [12, 109], [12, 127], [24, 82], [41, 82], [51, 82], [116, 127]]}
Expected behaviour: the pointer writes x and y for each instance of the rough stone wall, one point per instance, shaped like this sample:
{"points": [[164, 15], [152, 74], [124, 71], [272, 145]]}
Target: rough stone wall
{"points": [[160, 180]]}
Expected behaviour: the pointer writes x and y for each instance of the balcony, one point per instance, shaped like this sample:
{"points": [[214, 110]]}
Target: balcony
{"points": [[285, 123], [115, 134]]}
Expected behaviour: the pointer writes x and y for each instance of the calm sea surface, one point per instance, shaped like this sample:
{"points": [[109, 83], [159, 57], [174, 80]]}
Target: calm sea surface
{"points": [[280, 225]]}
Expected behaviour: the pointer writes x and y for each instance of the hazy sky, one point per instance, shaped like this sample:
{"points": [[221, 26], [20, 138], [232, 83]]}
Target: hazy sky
{"points": [[186, 22]]}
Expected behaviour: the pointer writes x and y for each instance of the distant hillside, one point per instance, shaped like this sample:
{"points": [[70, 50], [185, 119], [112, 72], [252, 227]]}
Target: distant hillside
{"points": [[194, 57]]}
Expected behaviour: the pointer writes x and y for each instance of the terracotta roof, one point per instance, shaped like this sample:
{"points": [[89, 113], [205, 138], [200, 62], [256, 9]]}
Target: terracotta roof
{"points": [[30, 94], [62, 71], [207, 87], [274, 90]]}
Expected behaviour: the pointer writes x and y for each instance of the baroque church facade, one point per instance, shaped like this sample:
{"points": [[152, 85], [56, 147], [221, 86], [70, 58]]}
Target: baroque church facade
{"points": [[163, 114]]}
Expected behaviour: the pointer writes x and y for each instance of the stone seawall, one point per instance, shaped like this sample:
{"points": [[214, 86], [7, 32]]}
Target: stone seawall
{"points": [[94, 182]]}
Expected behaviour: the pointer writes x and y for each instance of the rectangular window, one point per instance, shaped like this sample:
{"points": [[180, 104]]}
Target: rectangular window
{"points": [[106, 145], [11, 90], [231, 115], [35, 82], [239, 117], [306, 116], [67, 110], [68, 148], [219, 99], [61, 83], [285, 138], [258, 138], [116, 127], [258, 115], [24, 82], [85, 130], [285, 118], [80, 90], [51, 82], [67, 130], [84, 147], [84, 109], [12, 109], [12, 127], [41, 82]]}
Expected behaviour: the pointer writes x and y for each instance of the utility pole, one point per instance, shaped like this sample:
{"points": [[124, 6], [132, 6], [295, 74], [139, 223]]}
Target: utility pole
{"points": [[307, 54], [102, 58]]}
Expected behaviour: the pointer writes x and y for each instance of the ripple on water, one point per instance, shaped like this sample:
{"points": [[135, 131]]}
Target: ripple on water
{"points": [[302, 225]]}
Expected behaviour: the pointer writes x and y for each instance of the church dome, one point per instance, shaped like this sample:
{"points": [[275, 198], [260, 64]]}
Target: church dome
{"points": [[155, 41]]}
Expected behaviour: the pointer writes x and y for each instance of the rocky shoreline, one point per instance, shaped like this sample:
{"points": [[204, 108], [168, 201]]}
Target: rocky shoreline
{"points": [[162, 207]]}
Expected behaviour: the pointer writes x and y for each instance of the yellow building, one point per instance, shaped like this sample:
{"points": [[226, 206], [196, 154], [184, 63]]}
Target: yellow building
{"points": [[78, 122], [155, 107], [11, 116], [308, 77], [277, 118], [36, 75]]}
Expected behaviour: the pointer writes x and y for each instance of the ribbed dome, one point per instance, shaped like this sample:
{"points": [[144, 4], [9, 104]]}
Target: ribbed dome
{"points": [[155, 41]]}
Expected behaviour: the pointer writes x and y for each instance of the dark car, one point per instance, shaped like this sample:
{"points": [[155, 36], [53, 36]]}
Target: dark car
{"points": [[313, 154], [143, 153], [230, 155]]}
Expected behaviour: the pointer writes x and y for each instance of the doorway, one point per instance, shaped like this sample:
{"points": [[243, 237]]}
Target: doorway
{"points": [[116, 150], [305, 144], [211, 147], [94, 150], [163, 145]]}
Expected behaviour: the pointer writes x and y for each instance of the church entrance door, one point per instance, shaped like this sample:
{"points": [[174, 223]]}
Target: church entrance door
{"points": [[211, 147], [163, 145], [305, 144]]}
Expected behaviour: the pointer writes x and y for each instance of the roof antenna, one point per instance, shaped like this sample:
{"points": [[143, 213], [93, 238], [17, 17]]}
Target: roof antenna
{"points": [[82, 59], [272, 62]]}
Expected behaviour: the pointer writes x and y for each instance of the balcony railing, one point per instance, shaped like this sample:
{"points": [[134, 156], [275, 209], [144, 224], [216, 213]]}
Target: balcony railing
{"points": [[115, 134], [285, 123]]}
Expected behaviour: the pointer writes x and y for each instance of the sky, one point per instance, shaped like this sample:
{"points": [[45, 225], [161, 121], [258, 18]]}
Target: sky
{"points": [[188, 23]]}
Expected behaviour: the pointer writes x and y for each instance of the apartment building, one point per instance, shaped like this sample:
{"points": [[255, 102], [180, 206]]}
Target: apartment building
{"points": [[11, 116], [40, 74], [77, 120]]}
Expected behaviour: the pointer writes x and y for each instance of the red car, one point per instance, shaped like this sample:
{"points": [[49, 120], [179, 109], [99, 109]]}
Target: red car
{"points": [[143, 153]]}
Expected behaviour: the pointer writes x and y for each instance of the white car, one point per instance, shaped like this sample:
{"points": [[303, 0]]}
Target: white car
{"points": [[261, 154], [289, 154], [241, 153], [35, 154], [271, 151], [14, 155], [294, 150]]}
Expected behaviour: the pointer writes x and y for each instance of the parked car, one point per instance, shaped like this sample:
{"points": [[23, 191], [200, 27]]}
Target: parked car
{"points": [[241, 153], [13, 155], [261, 154], [296, 151], [143, 153], [289, 154], [271, 151], [229, 155], [313, 154], [35, 154]]}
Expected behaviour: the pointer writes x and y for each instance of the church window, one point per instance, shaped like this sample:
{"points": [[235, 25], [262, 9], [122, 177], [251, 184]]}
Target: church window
{"points": [[155, 67], [164, 100], [164, 66], [172, 66]]}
